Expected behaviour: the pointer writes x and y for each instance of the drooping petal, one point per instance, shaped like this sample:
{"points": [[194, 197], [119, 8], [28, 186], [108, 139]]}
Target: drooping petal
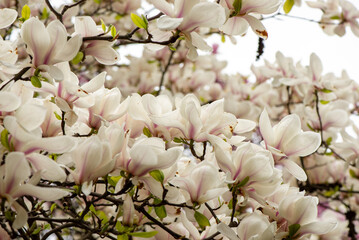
{"points": [[43, 193], [164, 7], [7, 17], [95, 83], [235, 26], [59, 144], [303, 144], [266, 129], [21, 216], [70, 49], [256, 26], [85, 26], [295, 170], [318, 228], [316, 66], [50, 170], [103, 53], [199, 43], [225, 230]]}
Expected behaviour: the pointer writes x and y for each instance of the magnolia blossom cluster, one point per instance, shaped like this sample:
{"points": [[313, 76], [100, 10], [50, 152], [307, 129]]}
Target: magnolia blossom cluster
{"points": [[168, 146]]}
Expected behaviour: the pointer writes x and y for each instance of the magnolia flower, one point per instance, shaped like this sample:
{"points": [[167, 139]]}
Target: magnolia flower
{"points": [[240, 19], [202, 184], [188, 15], [92, 158], [286, 139], [30, 142], [196, 121], [7, 17], [253, 226], [14, 175], [148, 154], [302, 210], [102, 51], [49, 45]]}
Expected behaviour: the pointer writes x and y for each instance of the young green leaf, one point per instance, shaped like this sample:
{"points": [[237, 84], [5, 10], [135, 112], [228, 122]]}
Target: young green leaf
{"points": [[103, 25], [243, 182], [58, 116], [288, 6], [122, 237], [143, 234], [25, 12], [78, 58], [45, 14], [5, 139], [352, 173], [147, 132], [157, 175], [138, 21], [160, 210], [35, 81], [293, 229], [237, 4], [201, 220], [113, 31]]}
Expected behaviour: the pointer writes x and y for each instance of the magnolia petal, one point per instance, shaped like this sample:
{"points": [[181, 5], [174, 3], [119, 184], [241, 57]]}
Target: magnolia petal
{"points": [[235, 26], [211, 194], [9, 102], [256, 26], [70, 49], [244, 126], [103, 53], [189, 226], [163, 6], [318, 227], [199, 43], [70, 118], [95, 83], [167, 23], [17, 169], [7, 17], [50, 170], [169, 157], [43, 193], [59, 144], [303, 144], [223, 153], [21, 216], [54, 71], [295, 170], [265, 128], [226, 231], [37, 39], [86, 187], [85, 26], [204, 14], [30, 116], [316, 66]]}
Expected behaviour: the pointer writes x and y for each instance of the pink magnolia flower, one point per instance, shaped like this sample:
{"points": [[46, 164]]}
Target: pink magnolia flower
{"points": [[49, 45], [286, 139], [102, 51], [202, 183], [14, 175], [238, 22], [188, 15]]}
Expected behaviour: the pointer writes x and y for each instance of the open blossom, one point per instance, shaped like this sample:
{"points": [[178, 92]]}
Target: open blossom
{"points": [[202, 183], [102, 51], [14, 174], [286, 139], [239, 20], [49, 45], [196, 121], [186, 16]]}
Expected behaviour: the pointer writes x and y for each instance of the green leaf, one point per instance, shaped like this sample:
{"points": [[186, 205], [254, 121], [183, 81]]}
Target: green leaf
{"points": [[25, 12], [223, 38], [5, 139], [35, 81], [201, 220], [138, 21], [352, 173], [288, 6], [45, 14], [237, 4], [324, 90], [329, 141], [324, 102], [157, 175], [122, 237], [310, 127], [52, 208], [113, 31], [78, 58], [97, 1], [243, 182], [36, 231], [335, 17], [143, 234], [172, 48], [147, 132], [160, 210], [177, 140], [103, 25], [92, 209], [293, 229], [120, 227], [145, 20], [58, 116]]}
